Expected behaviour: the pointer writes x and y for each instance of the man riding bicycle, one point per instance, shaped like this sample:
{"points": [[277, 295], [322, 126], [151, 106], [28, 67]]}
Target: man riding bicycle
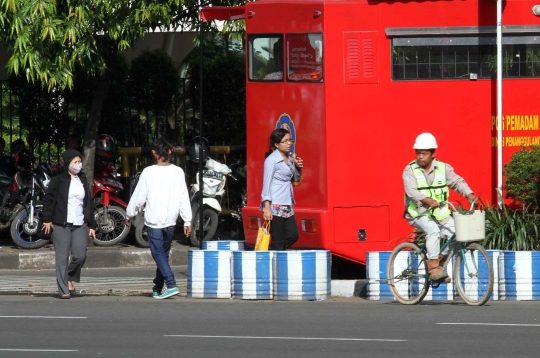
{"points": [[426, 182]]}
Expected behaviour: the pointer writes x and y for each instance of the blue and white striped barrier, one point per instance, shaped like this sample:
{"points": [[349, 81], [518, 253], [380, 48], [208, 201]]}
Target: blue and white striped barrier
{"points": [[209, 274], [376, 264], [494, 255], [252, 275], [301, 275], [227, 245], [519, 275], [378, 289]]}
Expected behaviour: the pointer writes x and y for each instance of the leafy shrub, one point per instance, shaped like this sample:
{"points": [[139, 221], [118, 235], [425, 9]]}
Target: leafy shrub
{"points": [[513, 229], [522, 176]]}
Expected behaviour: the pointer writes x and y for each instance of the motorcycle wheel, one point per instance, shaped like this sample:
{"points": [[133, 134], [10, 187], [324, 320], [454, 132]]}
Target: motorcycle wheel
{"points": [[24, 235], [114, 230], [141, 235], [210, 224]]}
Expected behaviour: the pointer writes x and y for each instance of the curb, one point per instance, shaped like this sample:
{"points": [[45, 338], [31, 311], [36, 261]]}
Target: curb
{"points": [[349, 288], [110, 258]]}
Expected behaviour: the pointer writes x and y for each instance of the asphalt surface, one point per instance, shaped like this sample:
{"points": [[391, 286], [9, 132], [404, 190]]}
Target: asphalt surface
{"points": [[109, 326]]}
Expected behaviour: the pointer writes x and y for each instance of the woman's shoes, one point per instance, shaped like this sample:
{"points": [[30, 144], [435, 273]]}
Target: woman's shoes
{"points": [[65, 296], [71, 292]]}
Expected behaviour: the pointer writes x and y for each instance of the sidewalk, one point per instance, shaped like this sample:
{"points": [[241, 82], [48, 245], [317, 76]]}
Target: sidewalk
{"points": [[126, 254], [134, 281], [121, 270], [110, 282]]}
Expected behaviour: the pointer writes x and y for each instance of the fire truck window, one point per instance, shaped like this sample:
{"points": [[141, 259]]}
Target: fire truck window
{"points": [[434, 62], [265, 58], [305, 57]]}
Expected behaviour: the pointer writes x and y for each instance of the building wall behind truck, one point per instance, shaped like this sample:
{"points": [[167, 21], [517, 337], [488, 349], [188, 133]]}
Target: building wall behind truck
{"points": [[182, 44]]}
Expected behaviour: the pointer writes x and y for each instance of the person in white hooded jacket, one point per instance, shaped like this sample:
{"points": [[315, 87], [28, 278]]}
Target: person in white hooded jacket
{"points": [[162, 187]]}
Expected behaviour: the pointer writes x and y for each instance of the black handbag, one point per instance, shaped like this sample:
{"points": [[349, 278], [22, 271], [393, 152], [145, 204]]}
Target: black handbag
{"points": [[41, 232]]}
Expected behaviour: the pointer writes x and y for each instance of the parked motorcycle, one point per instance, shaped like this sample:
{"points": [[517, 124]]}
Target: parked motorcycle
{"points": [[141, 230], [23, 205], [214, 179], [109, 209], [238, 193], [5, 190]]}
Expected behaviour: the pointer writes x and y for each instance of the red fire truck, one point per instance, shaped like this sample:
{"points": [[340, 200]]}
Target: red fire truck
{"points": [[356, 81]]}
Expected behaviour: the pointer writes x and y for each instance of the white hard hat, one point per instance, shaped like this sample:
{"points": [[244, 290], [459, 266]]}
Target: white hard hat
{"points": [[425, 141]]}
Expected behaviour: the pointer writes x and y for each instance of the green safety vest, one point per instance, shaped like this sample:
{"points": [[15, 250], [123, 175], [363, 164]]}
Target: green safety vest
{"points": [[438, 190]]}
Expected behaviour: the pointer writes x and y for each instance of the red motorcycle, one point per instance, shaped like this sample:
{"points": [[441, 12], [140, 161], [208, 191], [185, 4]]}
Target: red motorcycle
{"points": [[109, 209]]}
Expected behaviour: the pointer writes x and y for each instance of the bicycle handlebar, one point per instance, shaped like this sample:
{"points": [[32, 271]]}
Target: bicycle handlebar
{"points": [[442, 203]]}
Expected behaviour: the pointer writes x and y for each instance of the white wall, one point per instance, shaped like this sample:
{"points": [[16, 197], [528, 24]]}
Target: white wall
{"points": [[177, 45]]}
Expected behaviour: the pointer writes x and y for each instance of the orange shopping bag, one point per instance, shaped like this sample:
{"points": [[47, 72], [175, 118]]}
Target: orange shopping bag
{"points": [[263, 237]]}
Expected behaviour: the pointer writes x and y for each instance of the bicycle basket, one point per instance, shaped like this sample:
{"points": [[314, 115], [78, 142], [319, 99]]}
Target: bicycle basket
{"points": [[470, 226]]}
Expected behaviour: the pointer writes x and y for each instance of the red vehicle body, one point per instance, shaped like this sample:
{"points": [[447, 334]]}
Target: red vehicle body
{"points": [[356, 119], [106, 188]]}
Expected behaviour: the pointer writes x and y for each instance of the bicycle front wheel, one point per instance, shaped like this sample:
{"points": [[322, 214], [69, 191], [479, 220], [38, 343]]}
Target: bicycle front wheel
{"points": [[407, 274], [473, 274]]}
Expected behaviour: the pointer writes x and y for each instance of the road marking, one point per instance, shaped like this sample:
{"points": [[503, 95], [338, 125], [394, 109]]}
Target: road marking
{"points": [[55, 317], [289, 338], [494, 324], [39, 350]]}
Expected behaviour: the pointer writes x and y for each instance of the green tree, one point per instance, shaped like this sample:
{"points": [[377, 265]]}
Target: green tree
{"points": [[50, 40], [523, 176], [224, 91], [154, 81]]}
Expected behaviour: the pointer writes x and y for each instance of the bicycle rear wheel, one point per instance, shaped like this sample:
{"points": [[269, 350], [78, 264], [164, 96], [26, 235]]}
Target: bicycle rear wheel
{"points": [[473, 274], [407, 274]]}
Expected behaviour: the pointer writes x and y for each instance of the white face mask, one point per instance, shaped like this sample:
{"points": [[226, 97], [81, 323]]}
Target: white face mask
{"points": [[75, 168]]}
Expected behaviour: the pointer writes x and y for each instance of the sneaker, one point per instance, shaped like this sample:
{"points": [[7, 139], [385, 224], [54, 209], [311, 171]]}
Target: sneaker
{"points": [[168, 293], [155, 294]]}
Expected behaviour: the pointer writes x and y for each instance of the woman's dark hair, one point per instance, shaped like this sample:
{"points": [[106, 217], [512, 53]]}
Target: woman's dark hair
{"points": [[162, 147], [276, 136]]}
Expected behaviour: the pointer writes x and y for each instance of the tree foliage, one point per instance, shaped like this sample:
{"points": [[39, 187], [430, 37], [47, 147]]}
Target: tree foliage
{"points": [[523, 176], [154, 81], [51, 40], [224, 91]]}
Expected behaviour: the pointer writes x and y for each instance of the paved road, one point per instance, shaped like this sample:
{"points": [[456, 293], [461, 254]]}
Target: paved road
{"points": [[109, 326]]}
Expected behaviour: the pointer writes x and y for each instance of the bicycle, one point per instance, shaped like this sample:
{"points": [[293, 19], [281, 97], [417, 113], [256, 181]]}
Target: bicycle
{"points": [[408, 277]]}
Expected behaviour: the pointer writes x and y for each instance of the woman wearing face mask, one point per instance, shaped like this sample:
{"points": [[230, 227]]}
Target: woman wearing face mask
{"points": [[67, 211]]}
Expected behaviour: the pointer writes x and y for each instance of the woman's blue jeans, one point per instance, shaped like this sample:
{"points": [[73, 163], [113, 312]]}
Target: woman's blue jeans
{"points": [[160, 246]]}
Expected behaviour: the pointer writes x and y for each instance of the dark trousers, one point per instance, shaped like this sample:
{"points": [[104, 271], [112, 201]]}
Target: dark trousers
{"points": [[284, 232], [68, 240], [160, 246]]}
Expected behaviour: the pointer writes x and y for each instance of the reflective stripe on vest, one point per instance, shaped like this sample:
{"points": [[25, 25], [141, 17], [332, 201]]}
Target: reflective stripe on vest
{"points": [[438, 190]]}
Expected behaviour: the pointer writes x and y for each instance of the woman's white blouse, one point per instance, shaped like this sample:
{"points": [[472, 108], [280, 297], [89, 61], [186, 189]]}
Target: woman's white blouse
{"points": [[75, 214]]}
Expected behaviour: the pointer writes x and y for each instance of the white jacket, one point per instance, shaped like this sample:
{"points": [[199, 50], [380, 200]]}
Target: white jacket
{"points": [[163, 189]]}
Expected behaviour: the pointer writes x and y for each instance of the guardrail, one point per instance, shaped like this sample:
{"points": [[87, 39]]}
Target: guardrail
{"points": [[127, 152]]}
